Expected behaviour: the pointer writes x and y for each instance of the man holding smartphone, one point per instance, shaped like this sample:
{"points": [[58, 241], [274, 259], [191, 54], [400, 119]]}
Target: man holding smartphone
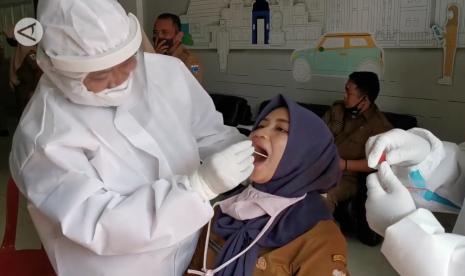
{"points": [[167, 40]]}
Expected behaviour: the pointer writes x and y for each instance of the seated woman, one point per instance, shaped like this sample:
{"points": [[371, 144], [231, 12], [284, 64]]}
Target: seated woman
{"points": [[280, 224]]}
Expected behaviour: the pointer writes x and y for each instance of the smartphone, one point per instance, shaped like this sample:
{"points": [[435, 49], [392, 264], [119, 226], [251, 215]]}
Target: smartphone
{"points": [[168, 42]]}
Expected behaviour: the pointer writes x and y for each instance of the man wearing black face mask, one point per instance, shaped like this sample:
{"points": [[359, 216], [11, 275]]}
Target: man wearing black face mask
{"points": [[167, 40], [352, 122]]}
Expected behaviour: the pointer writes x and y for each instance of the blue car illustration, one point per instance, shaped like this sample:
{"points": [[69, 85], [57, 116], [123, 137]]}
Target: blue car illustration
{"points": [[338, 54]]}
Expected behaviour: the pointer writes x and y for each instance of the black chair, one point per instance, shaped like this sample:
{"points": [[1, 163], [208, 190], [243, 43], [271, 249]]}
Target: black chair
{"points": [[235, 109], [403, 121], [318, 109]]}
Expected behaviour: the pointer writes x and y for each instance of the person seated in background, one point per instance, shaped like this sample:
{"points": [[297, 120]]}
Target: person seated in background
{"points": [[3, 130], [352, 121], [8, 32], [280, 224], [167, 40], [24, 73], [27, 73]]}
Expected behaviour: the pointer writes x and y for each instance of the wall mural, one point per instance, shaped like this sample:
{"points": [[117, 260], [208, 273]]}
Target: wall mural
{"points": [[447, 37], [303, 24], [338, 54]]}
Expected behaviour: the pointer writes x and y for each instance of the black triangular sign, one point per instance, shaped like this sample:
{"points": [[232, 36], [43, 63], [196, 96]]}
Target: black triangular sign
{"points": [[21, 31]]}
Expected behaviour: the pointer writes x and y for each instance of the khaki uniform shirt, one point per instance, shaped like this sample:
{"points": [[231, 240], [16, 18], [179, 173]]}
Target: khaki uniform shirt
{"points": [[320, 251], [351, 133], [191, 61]]}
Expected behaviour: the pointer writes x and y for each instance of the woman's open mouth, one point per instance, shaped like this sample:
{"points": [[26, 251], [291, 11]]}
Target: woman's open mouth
{"points": [[260, 154]]}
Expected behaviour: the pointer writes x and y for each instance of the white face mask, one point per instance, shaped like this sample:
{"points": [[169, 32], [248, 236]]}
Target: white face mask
{"points": [[252, 203], [72, 86], [115, 96]]}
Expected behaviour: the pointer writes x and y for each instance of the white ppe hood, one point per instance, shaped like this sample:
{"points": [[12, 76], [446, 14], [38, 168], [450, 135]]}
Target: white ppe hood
{"points": [[82, 37]]}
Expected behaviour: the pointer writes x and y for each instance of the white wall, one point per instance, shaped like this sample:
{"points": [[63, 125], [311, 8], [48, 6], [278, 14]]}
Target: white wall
{"points": [[409, 84], [135, 7], [129, 5]]}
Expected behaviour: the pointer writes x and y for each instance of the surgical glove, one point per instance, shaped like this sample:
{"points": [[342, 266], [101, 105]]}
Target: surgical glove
{"points": [[399, 146], [387, 199], [224, 170]]}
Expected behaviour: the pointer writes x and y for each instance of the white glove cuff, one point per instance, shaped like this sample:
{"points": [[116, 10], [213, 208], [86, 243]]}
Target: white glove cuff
{"points": [[435, 156], [201, 187], [417, 245]]}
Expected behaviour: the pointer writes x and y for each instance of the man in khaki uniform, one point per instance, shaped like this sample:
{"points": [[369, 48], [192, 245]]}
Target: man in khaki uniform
{"points": [[167, 39], [352, 122]]}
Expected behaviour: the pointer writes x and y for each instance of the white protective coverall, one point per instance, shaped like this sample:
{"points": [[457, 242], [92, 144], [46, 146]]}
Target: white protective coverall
{"points": [[108, 176], [415, 243]]}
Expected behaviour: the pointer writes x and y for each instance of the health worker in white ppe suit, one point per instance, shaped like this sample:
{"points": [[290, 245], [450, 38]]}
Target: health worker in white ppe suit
{"points": [[417, 174], [108, 152]]}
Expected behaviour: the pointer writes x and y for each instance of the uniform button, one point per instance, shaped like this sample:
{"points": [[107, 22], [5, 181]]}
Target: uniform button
{"points": [[261, 263]]}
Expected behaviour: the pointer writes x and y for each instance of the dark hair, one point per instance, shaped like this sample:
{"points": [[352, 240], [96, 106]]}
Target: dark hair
{"points": [[174, 18], [367, 83]]}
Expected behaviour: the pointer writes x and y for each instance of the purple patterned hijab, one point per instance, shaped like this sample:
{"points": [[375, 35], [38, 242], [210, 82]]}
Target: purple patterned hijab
{"points": [[309, 165]]}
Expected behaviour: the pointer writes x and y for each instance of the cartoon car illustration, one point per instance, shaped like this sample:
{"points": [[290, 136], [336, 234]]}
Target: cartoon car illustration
{"points": [[338, 54]]}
